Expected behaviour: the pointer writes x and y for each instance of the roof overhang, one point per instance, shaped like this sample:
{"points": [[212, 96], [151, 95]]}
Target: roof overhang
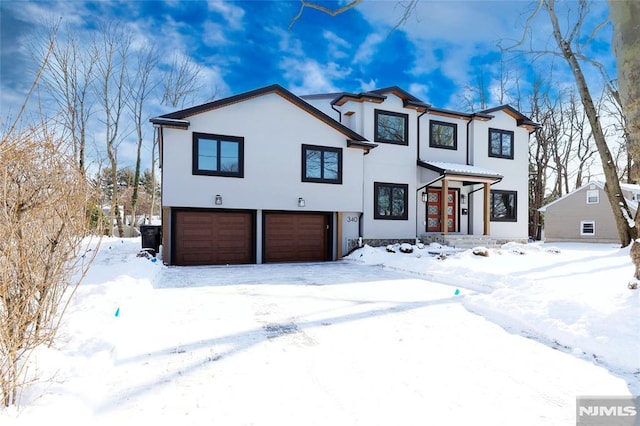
{"points": [[367, 146], [466, 174], [170, 122]]}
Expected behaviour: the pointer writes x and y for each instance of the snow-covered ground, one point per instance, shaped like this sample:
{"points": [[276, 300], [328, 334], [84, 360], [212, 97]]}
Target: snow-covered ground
{"points": [[377, 339]]}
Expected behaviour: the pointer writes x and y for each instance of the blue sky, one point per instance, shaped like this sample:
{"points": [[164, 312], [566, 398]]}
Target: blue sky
{"points": [[238, 46]]}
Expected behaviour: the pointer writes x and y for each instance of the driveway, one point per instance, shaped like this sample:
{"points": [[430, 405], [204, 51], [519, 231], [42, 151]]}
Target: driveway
{"points": [[336, 343]]}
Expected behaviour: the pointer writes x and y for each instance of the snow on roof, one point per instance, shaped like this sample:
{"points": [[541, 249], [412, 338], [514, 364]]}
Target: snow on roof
{"points": [[463, 169], [630, 187]]}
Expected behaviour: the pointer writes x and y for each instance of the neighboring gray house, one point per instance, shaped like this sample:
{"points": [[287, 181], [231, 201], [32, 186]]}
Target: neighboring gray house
{"points": [[584, 215], [268, 176]]}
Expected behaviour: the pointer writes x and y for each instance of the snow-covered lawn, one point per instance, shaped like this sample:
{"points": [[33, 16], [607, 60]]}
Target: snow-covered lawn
{"points": [[377, 339]]}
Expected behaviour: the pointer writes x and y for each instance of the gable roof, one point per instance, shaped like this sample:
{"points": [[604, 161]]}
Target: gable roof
{"points": [[625, 186], [178, 117], [520, 118], [379, 95]]}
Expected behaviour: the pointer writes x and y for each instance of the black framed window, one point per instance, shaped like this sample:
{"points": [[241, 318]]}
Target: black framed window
{"points": [[390, 201], [501, 143], [504, 206], [391, 127], [218, 155], [443, 135], [321, 164]]}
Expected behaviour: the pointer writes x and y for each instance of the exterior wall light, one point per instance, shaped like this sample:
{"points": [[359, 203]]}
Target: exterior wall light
{"points": [[463, 199], [218, 200], [424, 197], [301, 202]]}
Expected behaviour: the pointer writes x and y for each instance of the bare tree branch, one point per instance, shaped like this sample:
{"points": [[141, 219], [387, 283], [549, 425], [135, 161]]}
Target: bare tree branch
{"points": [[313, 5]]}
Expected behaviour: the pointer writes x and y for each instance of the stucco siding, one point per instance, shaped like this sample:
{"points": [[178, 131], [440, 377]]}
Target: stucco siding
{"points": [[274, 131], [429, 153], [389, 163], [514, 171]]}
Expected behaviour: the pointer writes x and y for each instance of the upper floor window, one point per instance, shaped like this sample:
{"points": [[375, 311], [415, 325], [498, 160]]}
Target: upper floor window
{"points": [[504, 206], [218, 155], [443, 135], [593, 196], [390, 201], [391, 127], [500, 143], [321, 164]]}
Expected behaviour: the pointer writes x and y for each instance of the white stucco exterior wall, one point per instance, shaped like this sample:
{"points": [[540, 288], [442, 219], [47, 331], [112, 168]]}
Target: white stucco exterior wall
{"points": [[515, 172], [272, 168]]}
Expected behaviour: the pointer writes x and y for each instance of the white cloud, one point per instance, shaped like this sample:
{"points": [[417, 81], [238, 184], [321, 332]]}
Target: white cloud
{"points": [[420, 91], [367, 86], [307, 76], [368, 49], [232, 14], [214, 34], [336, 45]]}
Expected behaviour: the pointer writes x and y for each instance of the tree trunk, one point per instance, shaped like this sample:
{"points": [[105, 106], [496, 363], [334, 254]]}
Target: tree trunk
{"points": [[625, 16], [618, 204]]}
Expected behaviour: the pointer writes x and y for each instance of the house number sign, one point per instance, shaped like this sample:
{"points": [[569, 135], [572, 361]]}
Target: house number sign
{"points": [[352, 219]]}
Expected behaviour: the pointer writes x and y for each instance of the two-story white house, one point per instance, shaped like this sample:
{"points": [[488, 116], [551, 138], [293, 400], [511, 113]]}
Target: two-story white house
{"points": [[267, 176]]}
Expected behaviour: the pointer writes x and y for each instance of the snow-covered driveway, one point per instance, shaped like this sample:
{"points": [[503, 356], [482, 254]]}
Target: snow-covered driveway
{"points": [[328, 344]]}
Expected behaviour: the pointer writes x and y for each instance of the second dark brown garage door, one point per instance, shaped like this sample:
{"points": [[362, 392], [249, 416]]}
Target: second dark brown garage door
{"points": [[296, 237], [213, 237]]}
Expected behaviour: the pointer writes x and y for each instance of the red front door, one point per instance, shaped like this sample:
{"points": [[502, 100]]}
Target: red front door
{"points": [[434, 210]]}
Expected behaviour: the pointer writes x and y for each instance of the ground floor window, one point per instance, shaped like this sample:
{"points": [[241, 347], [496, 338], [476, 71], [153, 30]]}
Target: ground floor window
{"points": [[390, 201], [504, 206], [588, 227]]}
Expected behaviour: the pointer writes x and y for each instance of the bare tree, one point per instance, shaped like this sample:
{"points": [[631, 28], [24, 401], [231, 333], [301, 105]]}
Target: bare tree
{"points": [[569, 48], [42, 225], [113, 44], [182, 83], [626, 24], [68, 77], [543, 111], [408, 7], [140, 87]]}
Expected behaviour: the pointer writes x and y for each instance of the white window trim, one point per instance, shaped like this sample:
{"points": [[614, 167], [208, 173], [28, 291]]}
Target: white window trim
{"points": [[584, 222], [597, 196]]}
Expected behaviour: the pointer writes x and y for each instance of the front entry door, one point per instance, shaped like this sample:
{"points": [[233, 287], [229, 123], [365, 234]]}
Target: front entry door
{"points": [[434, 210]]}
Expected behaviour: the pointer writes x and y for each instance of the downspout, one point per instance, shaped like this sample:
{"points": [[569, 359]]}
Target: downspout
{"points": [[468, 164], [333, 107], [468, 159]]}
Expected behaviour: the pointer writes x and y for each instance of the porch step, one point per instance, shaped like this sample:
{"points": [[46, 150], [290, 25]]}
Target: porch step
{"points": [[464, 241]]}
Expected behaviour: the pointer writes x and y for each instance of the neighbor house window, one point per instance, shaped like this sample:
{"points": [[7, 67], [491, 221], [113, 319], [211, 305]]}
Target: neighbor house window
{"points": [[500, 143], [390, 201], [321, 164], [391, 127], [588, 227], [218, 155], [443, 135], [593, 196], [504, 206]]}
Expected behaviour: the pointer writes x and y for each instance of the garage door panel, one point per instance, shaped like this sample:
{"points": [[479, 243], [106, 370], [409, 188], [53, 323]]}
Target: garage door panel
{"points": [[213, 237], [291, 237]]}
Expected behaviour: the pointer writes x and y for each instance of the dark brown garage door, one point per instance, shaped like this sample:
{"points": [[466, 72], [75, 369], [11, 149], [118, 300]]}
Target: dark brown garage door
{"points": [[296, 237], [213, 238]]}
